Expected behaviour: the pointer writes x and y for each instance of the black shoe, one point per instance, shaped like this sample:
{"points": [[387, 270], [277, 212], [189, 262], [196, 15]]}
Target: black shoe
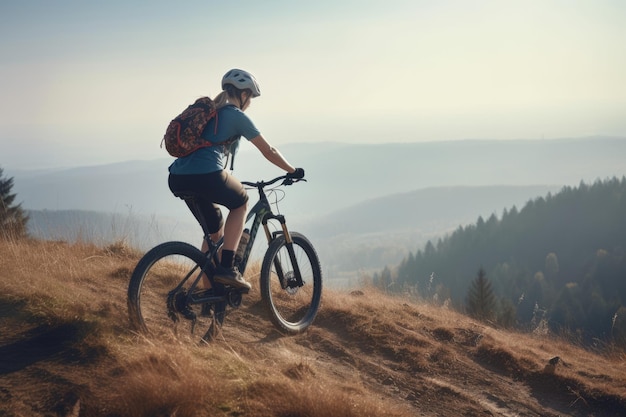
{"points": [[231, 276]]}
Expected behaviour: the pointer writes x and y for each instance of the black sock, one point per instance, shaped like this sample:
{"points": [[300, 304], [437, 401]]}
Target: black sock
{"points": [[227, 258]]}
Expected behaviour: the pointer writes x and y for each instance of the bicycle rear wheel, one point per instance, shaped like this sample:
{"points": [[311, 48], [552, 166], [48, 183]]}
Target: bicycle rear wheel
{"points": [[292, 308], [157, 304]]}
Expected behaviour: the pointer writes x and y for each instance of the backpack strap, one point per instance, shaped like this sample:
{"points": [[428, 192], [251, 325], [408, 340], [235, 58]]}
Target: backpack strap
{"points": [[231, 152]]}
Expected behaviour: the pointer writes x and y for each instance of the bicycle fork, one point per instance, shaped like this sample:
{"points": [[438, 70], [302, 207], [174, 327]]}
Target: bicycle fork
{"points": [[284, 282]]}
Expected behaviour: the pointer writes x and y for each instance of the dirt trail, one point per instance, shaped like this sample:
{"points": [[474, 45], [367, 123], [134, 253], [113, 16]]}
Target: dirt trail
{"points": [[446, 372]]}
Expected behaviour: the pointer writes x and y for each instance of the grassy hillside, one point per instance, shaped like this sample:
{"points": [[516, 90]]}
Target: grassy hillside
{"points": [[66, 350]]}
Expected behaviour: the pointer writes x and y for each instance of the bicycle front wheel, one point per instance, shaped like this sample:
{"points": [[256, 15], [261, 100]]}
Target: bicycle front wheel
{"points": [[292, 307], [158, 302]]}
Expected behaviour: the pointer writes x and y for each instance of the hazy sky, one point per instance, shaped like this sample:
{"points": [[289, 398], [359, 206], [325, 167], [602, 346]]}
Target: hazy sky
{"points": [[88, 82]]}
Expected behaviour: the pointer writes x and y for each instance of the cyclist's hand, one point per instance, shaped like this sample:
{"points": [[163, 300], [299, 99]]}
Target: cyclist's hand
{"points": [[297, 174]]}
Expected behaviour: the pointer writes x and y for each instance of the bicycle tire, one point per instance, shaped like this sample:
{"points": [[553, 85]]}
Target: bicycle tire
{"points": [[291, 309], [157, 273]]}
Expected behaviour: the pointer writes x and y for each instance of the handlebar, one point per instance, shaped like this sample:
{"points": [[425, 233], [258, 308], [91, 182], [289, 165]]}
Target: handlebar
{"points": [[287, 180]]}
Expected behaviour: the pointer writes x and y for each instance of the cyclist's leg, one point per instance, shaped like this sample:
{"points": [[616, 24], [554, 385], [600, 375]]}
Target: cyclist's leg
{"points": [[231, 194], [213, 217], [203, 207], [234, 227], [223, 189]]}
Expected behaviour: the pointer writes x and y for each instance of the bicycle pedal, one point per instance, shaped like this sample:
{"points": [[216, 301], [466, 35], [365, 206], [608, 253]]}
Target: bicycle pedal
{"points": [[234, 298]]}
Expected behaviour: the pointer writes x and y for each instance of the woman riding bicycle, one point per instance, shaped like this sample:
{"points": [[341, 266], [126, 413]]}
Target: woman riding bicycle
{"points": [[203, 171]]}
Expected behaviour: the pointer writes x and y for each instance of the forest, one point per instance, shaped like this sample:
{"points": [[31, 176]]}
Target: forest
{"points": [[557, 264]]}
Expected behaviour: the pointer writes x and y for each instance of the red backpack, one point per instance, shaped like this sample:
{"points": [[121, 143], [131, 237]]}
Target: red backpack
{"points": [[183, 134]]}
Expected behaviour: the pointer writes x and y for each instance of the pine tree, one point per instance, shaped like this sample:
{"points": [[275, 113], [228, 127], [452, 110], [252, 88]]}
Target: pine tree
{"points": [[481, 301], [13, 219], [385, 279]]}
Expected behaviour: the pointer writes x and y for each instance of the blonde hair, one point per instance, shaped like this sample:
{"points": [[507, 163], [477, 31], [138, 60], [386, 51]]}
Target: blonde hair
{"points": [[221, 99], [229, 92]]}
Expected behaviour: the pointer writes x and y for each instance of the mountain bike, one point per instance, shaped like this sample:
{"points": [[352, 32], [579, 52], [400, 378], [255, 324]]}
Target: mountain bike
{"points": [[166, 291]]}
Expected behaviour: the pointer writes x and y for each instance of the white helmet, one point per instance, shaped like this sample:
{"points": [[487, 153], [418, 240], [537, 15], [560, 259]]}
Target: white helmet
{"points": [[242, 80]]}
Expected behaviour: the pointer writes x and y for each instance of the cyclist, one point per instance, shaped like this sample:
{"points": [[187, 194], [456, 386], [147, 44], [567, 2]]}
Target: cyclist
{"points": [[204, 173]]}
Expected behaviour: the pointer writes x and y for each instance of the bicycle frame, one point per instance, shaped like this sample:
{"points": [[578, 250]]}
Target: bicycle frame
{"points": [[260, 214], [281, 268]]}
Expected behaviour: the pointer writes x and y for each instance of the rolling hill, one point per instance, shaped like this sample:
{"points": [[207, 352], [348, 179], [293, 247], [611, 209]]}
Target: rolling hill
{"points": [[401, 222]]}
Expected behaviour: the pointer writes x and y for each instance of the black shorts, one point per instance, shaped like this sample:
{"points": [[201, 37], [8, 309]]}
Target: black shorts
{"points": [[216, 188]]}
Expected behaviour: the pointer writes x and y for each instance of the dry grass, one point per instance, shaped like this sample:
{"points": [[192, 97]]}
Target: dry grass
{"points": [[66, 349]]}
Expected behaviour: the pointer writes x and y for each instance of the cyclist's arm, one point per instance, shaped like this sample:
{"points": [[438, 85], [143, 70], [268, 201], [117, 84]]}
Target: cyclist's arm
{"points": [[272, 154]]}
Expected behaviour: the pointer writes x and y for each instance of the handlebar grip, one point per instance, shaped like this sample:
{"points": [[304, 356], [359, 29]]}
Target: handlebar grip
{"points": [[297, 174]]}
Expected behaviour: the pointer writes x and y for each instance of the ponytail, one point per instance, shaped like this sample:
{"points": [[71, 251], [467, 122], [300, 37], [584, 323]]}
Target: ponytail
{"points": [[229, 92], [221, 99]]}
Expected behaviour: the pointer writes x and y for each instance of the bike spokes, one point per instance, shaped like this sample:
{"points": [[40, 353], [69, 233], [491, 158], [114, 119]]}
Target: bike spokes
{"points": [[163, 295], [291, 284]]}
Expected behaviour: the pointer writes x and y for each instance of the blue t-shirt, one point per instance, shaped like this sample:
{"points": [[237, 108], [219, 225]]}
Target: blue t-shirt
{"points": [[231, 123]]}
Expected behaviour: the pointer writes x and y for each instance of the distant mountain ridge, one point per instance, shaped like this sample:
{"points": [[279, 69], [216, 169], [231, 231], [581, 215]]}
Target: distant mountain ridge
{"points": [[430, 209], [339, 175]]}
